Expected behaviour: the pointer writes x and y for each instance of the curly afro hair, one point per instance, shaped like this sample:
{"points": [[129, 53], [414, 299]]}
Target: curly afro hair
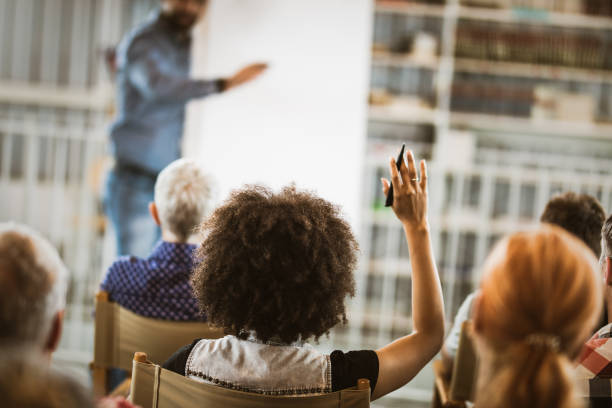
{"points": [[278, 265]]}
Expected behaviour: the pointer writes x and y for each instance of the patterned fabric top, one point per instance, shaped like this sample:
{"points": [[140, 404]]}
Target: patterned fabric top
{"points": [[156, 287], [594, 369], [596, 355]]}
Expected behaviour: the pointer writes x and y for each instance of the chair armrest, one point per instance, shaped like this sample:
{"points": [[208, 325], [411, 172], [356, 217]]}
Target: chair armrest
{"points": [[363, 384], [443, 387], [102, 296], [440, 381], [123, 389], [141, 357]]}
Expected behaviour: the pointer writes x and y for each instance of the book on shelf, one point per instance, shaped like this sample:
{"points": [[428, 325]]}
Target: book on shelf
{"points": [[554, 104], [537, 45], [592, 7]]}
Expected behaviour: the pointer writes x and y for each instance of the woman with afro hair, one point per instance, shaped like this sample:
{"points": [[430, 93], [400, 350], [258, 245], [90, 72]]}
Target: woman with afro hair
{"points": [[274, 271]]}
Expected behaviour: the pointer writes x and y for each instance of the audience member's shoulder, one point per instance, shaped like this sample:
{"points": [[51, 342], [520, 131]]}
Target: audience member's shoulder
{"points": [[178, 360], [25, 382], [604, 332], [122, 266], [125, 262]]}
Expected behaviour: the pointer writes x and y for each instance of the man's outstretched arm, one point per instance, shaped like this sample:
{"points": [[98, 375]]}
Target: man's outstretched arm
{"points": [[146, 71]]}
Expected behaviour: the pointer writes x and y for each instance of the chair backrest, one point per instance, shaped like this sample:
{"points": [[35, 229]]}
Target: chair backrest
{"points": [[461, 387], [463, 379], [119, 333], [155, 387]]}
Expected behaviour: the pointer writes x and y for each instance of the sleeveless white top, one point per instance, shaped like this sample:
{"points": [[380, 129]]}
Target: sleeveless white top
{"points": [[252, 366]]}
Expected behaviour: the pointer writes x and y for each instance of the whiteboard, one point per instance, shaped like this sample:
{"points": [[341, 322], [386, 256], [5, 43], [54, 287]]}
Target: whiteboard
{"points": [[304, 120]]}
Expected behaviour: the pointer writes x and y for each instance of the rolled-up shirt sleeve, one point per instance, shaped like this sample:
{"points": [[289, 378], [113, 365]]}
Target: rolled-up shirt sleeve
{"points": [[145, 69]]}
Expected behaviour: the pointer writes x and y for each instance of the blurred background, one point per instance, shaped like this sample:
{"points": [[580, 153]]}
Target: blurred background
{"points": [[510, 101]]}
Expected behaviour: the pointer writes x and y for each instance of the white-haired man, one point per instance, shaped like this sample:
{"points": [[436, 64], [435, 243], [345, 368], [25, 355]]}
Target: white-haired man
{"points": [[158, 286], [33, 281]]}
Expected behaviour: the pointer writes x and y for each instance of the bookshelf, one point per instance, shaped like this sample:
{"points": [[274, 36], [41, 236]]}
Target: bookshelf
{"points": [[509, 105], [531, 16], [422, 115], [538, 49], [410, 8], [498, 15], [515, 69], [509, 124], [527, 70], [496, 123]]}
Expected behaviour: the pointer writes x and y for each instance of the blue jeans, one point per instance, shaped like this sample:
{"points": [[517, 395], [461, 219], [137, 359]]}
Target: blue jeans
{"points": [[115, 376], [126, 202]]}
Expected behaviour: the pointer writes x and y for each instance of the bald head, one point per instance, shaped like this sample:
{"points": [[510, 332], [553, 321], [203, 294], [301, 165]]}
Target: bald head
{"points": [[33, 282]]}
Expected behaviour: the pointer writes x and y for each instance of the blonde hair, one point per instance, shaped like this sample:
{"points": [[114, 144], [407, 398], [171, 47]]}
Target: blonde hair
{"points": [[182, 192], [540, 298]]}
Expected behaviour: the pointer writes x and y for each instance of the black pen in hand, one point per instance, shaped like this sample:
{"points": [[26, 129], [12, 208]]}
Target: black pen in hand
{"points": [[398, 163]]}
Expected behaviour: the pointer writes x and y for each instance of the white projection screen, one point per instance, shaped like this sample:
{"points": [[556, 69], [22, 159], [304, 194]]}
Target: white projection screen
{"points": [[304, 120]]}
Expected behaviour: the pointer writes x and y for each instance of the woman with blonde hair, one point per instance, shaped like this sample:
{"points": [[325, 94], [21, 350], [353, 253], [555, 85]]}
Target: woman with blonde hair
{"points": [[539, 301]]}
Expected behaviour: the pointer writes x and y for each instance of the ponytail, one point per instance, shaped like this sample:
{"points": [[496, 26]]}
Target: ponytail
{"points": [[527, 374], [540, 296]]}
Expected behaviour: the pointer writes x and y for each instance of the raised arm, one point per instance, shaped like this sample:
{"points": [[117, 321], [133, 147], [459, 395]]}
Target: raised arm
{"points": [[402, 359]]}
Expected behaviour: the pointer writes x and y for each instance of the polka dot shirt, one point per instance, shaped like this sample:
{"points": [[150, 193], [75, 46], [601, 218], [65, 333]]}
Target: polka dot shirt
{"points": [[158, 286]]}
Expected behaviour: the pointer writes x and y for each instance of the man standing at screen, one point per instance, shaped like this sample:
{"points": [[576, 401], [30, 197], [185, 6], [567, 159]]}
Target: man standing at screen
{"points": [[154, 87]]}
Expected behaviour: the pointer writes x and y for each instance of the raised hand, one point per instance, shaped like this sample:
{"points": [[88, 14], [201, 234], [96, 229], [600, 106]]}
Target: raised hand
{"points": [[409, 192], [401, 360], [245, 75]]}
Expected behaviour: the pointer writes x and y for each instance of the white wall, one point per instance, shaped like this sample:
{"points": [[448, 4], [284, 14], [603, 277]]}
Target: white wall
{"points": [[305, 119]]}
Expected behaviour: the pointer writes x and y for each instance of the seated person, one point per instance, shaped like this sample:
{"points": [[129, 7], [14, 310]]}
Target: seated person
{"points": [[595, 362], [580, 214], [275, 270], [24, 383], [539, 299], [33, 282], [158, 286]]}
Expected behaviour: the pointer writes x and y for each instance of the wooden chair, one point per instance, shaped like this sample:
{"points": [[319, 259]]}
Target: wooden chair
{"points": [[460, 388], [153, 386], [119, 333]]}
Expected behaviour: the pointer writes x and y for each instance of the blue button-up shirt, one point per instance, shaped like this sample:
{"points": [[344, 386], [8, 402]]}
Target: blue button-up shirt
{"points": [[156, 287], [153, 88]]}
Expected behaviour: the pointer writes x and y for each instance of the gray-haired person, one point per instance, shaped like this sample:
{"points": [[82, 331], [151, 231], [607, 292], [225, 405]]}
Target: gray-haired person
{"points": [[33, 281], [158, 286]]}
